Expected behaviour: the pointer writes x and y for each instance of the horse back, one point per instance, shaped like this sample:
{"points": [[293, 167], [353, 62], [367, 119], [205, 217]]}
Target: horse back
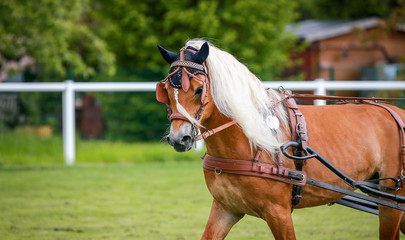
{"points": [[359, 139]]}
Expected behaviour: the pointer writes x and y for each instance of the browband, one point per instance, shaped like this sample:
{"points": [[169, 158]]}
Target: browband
{"points": [[189, 64]]}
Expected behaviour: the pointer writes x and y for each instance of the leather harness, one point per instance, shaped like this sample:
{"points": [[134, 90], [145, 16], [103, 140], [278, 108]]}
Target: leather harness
{"points": [[298, 127], [260, 169], [299, 133], [254, 169], [182, 65]]}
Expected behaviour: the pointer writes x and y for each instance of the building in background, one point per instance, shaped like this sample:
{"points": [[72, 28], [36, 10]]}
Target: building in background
{"points": [[350, 49]]}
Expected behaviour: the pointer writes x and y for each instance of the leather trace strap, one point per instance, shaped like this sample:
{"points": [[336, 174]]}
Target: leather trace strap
{"points": [[254, 169]]}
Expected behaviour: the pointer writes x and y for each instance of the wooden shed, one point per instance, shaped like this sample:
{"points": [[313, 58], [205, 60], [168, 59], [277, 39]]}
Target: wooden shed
{"points": [[350, 49]]}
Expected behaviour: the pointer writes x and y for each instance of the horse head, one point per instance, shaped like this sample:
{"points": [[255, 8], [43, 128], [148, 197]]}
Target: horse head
{"points": [[186, 92]]}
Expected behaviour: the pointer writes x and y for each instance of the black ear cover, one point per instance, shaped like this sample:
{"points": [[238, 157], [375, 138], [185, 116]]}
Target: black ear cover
{"points": [[170, 57], [202, 54]]}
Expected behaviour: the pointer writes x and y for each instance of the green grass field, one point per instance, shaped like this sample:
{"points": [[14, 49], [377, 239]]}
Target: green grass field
{"points": [[28, 149], [144, 201], [133, 195]]}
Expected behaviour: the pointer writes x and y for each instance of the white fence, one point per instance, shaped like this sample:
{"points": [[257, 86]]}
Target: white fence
{"points": [[69, 88]]}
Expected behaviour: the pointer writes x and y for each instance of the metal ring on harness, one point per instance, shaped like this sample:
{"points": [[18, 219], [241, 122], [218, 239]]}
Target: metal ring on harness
{"points": [[218, 172]]}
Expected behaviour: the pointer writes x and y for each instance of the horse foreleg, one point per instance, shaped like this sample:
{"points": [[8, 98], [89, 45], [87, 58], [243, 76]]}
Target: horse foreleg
{"points": [[389, 223], [402, 224], [280, 221], [220, 222]]}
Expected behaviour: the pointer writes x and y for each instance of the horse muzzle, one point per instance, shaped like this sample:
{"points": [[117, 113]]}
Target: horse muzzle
{"points": [[183, 139]]}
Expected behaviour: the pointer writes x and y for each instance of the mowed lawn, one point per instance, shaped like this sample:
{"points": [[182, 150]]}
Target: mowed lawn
{"points": [[140, 201], [119, 190]]}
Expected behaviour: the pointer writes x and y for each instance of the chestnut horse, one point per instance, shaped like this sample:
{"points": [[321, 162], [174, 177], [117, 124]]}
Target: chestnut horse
{"points": [[207, 87]]}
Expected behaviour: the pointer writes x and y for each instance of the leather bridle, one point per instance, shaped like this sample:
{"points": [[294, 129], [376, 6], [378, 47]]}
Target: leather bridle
{"points": [[182, 65]]}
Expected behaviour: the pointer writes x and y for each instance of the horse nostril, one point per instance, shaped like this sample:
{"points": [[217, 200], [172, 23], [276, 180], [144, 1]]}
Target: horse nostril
{"points": [[168, 139], [186, 140]]}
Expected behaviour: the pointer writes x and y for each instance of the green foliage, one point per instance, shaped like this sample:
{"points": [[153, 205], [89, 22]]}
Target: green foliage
{"points": [[54, 33], [345, 9], [131, 116], [397, 15], [134, 116], [42, 108], [251, 30], [87, 37]]}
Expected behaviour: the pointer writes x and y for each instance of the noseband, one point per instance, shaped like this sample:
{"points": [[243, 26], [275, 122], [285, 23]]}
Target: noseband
{"points": [[185, 68]]}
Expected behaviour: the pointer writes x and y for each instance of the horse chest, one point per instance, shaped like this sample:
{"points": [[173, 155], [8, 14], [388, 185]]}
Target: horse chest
{"points": [[231, 191]]}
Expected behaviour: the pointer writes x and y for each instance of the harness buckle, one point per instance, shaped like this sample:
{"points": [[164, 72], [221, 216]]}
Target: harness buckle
{"points": [[218, 172], [398, 183], [300, 128], [296, 177]]}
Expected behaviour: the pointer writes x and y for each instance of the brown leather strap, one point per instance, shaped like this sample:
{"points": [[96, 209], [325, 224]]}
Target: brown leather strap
{"points": [[215, 130], [298, 124], [254, 169], [299, 133], [400, 123], [177, 115], [339, 98]]}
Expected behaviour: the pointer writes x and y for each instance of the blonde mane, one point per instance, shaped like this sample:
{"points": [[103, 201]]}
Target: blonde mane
{"points": [[240, 95]]}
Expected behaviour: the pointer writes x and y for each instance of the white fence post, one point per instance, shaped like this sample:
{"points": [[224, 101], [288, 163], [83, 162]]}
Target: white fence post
{"points": [[320, 90], [68, 106]]}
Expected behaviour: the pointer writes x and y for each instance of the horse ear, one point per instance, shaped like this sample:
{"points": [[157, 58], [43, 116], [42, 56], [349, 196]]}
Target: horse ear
{"points": [[170, 57], [202, 54]]}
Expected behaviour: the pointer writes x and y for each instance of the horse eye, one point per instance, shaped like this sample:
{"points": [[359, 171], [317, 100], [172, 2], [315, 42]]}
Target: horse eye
{"points": [[198, 91]]}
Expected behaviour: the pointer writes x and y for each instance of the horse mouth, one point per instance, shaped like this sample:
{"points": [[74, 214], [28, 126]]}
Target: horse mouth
{"points": [[181, 148], [182, 140]]}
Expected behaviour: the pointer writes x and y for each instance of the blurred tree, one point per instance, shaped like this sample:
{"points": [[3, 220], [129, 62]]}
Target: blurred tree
{"points": [[54, 34], [251, 30], [86, 34], [344, 9], [397, 15]]}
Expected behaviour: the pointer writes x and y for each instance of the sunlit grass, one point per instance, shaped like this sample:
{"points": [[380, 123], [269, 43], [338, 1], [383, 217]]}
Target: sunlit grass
{"points": [[29, 149], [140, 201], [120, 190]]}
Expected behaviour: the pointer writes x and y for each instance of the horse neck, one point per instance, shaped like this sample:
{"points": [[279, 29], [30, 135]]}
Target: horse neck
{"points": [[229, 143], [232, 143]]}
